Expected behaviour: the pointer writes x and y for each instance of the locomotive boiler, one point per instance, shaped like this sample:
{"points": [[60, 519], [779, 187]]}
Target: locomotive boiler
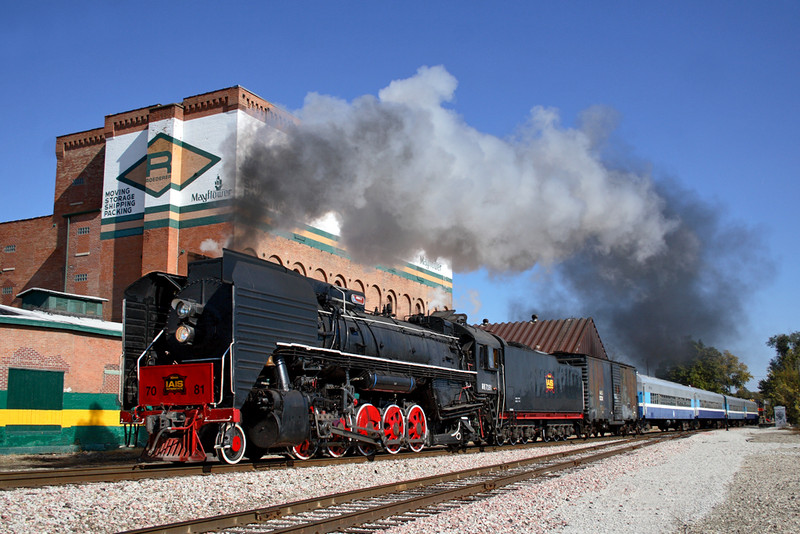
{"points": [[242, 356]]}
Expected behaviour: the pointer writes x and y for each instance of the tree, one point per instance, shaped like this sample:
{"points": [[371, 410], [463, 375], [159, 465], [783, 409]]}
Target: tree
{"points": [[708, 368], [782, 385]]}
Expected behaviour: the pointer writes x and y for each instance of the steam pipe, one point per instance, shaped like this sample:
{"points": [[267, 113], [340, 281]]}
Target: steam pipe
{"points": [[283, 372]]}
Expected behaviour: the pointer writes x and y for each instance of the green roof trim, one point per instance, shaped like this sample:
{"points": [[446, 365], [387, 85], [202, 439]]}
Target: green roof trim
{"points": [[56, 325]]}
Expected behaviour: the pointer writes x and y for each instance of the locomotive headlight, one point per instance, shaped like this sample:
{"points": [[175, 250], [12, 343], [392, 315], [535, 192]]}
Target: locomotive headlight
{"points": [[184, 333], [183, 309]]}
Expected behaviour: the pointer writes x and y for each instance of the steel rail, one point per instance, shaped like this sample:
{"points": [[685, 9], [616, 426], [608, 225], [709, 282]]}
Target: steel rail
{"points": [[116, 473], [288, 512]]}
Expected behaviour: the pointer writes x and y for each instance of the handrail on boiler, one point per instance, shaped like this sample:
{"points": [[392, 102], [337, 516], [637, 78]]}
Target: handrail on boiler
{"points": [[139, 359], [222, 375]]}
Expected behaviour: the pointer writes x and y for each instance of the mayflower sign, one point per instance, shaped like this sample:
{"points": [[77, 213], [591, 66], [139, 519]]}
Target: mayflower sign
{"points": [[154, 177], [218, 193]]}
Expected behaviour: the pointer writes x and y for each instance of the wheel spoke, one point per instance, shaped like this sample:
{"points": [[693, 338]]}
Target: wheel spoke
{"points": [[368, 422], [339, 445], [393, 428], [304, 451], [417, 428]]}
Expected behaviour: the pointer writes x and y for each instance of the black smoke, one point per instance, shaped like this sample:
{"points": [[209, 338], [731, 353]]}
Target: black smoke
{"points": [[402, 173], [697, 288]]}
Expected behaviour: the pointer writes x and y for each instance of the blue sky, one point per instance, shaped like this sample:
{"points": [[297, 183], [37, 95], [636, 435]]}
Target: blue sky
{"points": [[706, 95]]}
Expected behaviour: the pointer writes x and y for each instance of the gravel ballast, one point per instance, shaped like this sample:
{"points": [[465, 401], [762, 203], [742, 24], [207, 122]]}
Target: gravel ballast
{"points": [[744, 480]]}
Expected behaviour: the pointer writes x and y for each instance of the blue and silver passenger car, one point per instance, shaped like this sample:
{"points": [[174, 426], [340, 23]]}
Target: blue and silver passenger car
{"points": [[665, 404]]}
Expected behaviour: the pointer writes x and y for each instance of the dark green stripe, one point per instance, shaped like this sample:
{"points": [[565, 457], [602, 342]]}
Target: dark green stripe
{"points": [[322, 233], [139, 230], [122, 218], [217, 204], [40, 439], [50, 429], [91, 401], [191, 223]]}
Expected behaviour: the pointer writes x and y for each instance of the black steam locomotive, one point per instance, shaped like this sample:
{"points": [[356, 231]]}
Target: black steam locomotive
{"points": [[242, 356]]}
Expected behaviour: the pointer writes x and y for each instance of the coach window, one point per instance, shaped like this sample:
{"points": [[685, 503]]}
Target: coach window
{"points": [[494, 362], [483, 356]]}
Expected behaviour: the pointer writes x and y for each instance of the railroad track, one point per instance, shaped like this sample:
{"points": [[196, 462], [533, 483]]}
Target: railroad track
{"points": [[138, 471], [388, 505]]}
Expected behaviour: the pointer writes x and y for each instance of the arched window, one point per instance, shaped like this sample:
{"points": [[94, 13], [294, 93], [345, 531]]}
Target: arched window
{"points": [[250, 251], [359, 286], [391, 300], [419, 307], [275, 259], [406, 300], [374, 299], [298, 268], [340, 281], [320, 275]]}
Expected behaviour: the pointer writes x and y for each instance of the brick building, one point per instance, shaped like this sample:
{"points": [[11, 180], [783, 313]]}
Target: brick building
{"points": [[151, 191], [59, 381]]}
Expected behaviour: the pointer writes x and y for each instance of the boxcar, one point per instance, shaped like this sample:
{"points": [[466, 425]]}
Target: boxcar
{"points": [[609, 390]]}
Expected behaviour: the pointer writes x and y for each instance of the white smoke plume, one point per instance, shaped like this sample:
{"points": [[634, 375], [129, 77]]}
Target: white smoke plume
{"points": [[403, 172], [439, 299], [214, 248]]}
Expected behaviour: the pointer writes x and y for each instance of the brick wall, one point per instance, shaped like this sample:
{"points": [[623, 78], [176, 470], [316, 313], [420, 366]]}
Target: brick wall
{"points": [[80, 160], [35, 260], [83, 357], [120, 266]]}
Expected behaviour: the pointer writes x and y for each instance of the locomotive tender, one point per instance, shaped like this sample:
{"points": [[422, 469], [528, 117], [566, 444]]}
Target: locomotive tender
{"points": [[242, 356]]}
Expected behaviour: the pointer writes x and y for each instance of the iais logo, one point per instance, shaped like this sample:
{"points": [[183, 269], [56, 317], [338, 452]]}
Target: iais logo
{"points": [[175, 383], [550, 384]]}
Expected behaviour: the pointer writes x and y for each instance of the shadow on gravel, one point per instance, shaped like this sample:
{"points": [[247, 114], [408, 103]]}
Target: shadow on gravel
{"points": [[52, 461], [773, 435]]}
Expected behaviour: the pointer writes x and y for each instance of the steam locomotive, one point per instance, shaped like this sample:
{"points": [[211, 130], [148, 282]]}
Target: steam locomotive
{"points": [[241, 357]]}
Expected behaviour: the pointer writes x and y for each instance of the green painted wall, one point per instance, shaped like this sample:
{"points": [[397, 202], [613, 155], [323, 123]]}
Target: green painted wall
{"points": [[85, 409]]}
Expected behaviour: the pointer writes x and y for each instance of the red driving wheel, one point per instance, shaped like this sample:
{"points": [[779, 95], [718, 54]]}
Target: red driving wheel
{"points": [[339, 445], [393, 428], [417, 428], [368, 422]]}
